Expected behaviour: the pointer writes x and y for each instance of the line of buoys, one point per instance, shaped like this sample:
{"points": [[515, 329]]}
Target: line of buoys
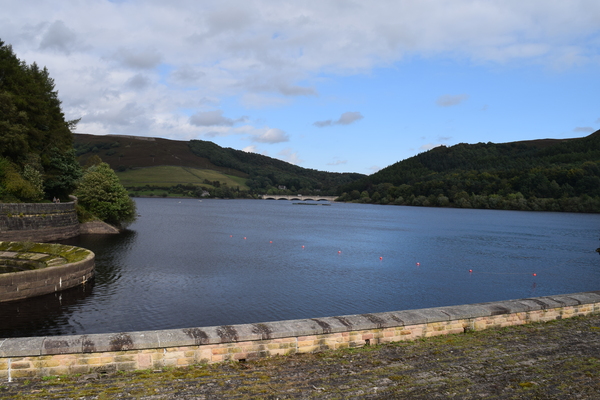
{"points": [[503, 273]]}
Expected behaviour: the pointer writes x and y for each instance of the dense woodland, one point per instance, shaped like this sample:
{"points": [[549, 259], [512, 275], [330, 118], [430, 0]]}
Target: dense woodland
{"points": [[37, 160], [550, 175]]}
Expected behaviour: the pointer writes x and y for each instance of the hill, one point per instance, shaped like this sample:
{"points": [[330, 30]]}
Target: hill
{"points": [[547, 174], [199, 166]]}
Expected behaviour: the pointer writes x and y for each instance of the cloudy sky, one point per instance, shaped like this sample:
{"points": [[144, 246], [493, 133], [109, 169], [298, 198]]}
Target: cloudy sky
{"points": [[326, 84]]}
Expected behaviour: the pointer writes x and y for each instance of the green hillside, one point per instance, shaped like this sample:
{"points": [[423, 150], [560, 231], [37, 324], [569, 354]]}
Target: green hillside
{"points": [[161, 166], [549, 174]]}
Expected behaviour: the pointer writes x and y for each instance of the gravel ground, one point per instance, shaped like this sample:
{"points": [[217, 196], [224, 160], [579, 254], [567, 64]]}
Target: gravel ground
{"points": [[556, 360]]}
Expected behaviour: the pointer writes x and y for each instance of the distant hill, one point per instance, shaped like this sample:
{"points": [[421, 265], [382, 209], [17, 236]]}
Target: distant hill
{"points": [[546, 174], [197, 161]]}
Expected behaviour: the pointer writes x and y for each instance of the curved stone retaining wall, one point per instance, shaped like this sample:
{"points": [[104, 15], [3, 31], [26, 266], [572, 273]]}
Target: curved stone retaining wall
{"points": [[42, 356], [38, 268], [38, 222]]}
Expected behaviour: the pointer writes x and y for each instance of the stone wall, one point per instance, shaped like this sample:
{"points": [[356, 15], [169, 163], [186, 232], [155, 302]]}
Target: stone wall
{"points": [[56, 272], [38, 222], [42, 356]]}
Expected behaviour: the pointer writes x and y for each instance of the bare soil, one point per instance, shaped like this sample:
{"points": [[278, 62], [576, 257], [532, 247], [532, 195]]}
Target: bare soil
{"points": [[556, 360]]}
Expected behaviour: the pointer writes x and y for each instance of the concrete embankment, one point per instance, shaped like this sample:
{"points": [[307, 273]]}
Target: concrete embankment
{"points": [[42, 356]]}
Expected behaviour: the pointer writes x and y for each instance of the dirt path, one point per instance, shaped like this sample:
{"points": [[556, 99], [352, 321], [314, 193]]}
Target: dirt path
{"points": [[557, 360]]}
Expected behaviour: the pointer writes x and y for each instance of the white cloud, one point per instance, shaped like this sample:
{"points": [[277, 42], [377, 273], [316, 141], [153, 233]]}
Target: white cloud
{"points": [[138, 82], [268, 54], [338, 162], [60, 38], [214, 118], [586, 129], [288, 155], [272, 135], [448, 100], [429, 146], [345, 119], [254, 149], [138, 59]]}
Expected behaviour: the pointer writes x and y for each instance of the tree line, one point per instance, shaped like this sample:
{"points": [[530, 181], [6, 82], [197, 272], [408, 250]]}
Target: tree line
{"points": [[537, 175]]}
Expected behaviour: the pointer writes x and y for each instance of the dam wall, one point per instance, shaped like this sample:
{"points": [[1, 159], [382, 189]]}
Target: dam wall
{"points": [[44, 356], [38, 222]]}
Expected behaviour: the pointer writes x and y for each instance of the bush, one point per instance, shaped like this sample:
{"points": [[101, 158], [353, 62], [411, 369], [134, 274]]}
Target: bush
{"points": [[100, 192]]}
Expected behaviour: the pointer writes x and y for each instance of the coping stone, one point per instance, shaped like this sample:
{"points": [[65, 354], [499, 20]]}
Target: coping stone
{"points": [[22, 347], [541, 303], [586, 297], [61, 345]]}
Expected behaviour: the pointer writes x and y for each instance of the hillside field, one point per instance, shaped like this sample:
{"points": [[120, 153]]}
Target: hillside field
{"points": [[167, 175]]}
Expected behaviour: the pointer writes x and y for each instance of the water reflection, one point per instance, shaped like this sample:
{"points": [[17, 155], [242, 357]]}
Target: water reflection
{"points": [[42, 315]]}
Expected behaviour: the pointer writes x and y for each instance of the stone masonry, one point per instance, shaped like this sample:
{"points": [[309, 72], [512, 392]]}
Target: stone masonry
{"points": [[42, 356], [38, 222]]}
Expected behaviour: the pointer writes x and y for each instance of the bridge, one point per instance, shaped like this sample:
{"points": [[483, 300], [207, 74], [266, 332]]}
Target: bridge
{"points": [[298, 197]]}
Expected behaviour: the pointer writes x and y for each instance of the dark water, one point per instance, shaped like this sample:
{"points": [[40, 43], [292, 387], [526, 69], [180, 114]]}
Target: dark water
{"points": [[188, 263]]}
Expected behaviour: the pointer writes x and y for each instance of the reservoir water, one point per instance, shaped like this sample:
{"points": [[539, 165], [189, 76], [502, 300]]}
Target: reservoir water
{"points": [[190, 263]]}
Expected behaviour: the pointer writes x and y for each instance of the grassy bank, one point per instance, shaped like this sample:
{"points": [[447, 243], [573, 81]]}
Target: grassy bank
{"points": [[166, 175]]}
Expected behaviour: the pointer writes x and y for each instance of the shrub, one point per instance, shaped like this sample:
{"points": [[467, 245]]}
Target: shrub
{"points": [[100, 192]]}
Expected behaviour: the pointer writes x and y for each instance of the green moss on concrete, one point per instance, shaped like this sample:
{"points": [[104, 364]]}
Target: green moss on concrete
{"points": [[69, 253]]}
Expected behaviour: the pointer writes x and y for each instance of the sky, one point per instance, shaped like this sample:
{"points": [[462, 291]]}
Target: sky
{"points": [[332, 85]]}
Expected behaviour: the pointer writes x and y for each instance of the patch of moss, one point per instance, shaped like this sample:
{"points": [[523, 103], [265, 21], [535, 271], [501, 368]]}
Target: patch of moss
{"points": [[69, 253]]}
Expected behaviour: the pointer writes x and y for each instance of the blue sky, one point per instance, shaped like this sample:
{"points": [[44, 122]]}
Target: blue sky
{"points": [[342, 86]]}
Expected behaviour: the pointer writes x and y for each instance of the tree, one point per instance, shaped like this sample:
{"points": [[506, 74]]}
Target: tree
{"points": [[62, 174], [33, 126], [100, 192]]}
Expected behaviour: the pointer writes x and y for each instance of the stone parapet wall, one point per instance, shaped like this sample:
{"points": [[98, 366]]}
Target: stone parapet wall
{"points": [[55, 268], [38, 222], [42, 356]]}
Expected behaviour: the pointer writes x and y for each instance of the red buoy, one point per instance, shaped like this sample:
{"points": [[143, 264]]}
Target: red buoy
{"points": [[303, 246], [470, 270], [381, 258], [244, 237], [534, 274], [270, 241], [339, 252], [418, 264]]}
